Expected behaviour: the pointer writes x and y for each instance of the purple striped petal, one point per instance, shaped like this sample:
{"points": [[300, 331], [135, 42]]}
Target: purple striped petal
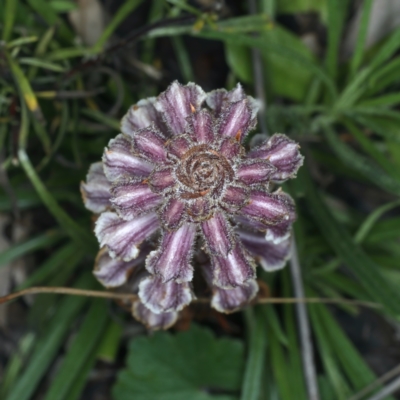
{"points": [[150, 144], [235, 197], [133, 198], [121, 237], [269, 208], [201, 124], [280, 232], [233, 270], [96, 190], [281, 152], [230, 300], [151, 320], [218, 235], [111, 272], [177, 103], [219, 99], [173, 214], [172, 260], [179, 145], [255, 171], [236, 120], [119, 161], [231, 148], [142, 115], [162, 297], [161, 179], [270, 256]]}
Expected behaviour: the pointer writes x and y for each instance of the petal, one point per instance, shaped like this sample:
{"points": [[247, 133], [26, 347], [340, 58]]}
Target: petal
{"points": [[161, 179], [281, 152], [173, 214], [200, 209], [236, 120], [218, 99], [96, 190], [172, 260], [151, 320], [270, 256], [218, 235], [142, 115], [120, 162], [256, 171], [177, 103], [233, 270], [150, 144], [280, 232], [231, 148], [111, 272], [269, 208], [132, 198], [231, 300], [235, 197], [179, 145], [162, 297], [201, 124], [121, 237]]}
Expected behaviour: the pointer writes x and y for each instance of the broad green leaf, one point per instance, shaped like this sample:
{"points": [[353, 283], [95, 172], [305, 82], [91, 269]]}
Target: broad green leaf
{"points": [[239, 61], [191, 365]]}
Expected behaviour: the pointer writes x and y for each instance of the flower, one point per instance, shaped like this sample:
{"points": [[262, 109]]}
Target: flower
{"points": [[179, 170]]}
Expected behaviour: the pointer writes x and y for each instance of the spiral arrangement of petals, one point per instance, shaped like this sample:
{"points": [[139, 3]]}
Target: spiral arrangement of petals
{"points": [[179, 175]]}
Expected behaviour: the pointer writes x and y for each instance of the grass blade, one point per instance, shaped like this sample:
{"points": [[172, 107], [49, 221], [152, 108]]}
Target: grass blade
{"points": [[10, 11]]}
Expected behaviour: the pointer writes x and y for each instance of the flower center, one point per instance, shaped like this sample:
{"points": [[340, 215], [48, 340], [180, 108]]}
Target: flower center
{"points": [[203, 171]]}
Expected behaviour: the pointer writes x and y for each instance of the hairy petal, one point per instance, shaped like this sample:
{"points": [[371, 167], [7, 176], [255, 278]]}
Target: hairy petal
{"points": [[142, 115], [255, 171], [269, 208], [161, 179], [233, 270], [96, 190], [177, 103], [111, 272], [134, 198], [281, 152], [179, 145], [201, 124], [231, 148], [236, 120], [172, 260], [151, 320], [150, 144], [235, 197], [218, 234], [162, 297], [121, 237], [271, 256], [119, 161], [173, 214], [231, 300], [219, 99]]}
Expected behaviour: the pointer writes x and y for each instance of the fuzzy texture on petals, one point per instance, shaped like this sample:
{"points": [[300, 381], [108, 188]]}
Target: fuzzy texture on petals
{"points": [[96, 190], [283, 153], [162, 297], [172, 260], [271, 256], [122, 238], [153, 321]]}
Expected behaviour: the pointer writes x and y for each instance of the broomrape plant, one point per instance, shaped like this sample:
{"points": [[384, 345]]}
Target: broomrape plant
{"points": [[179, 171]]}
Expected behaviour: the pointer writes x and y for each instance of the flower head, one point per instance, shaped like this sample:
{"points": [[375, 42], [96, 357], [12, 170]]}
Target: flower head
{"points": [[179, 170]]}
